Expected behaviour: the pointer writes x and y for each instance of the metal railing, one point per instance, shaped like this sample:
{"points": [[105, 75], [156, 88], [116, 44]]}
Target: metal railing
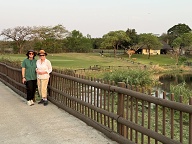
{"points": [[124, 114]]}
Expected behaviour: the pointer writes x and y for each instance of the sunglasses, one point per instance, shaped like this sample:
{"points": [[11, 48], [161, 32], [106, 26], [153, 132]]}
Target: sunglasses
{"points": [[31, 53], [41, 55]]}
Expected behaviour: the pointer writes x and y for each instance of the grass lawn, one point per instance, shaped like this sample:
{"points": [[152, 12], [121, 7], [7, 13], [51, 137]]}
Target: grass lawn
{"points": [[75, 60], [155, 59], [85, 60]]}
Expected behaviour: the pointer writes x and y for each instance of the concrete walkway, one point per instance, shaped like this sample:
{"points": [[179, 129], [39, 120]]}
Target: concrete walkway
{"points": [[38, 124]]}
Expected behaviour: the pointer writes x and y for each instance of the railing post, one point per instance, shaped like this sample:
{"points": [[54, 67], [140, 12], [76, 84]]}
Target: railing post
{"points": [[120, 109], [6, 73], [190, 123]]}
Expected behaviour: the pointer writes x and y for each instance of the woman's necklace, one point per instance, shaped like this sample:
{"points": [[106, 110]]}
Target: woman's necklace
{"points": [[31, 61]]}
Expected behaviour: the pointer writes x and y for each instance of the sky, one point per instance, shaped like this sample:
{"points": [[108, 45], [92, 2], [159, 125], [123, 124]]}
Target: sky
{"points": [[97, 17]]}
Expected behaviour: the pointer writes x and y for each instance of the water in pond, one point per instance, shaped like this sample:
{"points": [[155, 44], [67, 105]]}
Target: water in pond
{"points": [[174, 79]]}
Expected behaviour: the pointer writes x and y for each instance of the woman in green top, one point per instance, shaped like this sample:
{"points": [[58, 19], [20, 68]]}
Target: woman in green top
{"points": [[29, 76]]}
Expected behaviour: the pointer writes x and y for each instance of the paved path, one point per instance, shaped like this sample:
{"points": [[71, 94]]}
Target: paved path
{"points": [[38, 124]]}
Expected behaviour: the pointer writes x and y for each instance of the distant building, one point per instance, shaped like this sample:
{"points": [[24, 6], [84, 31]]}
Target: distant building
{"points": [[164, 50]]}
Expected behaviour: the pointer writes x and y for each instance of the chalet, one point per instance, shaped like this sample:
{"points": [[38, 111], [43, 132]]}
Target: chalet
{"points": [[144, 50], [164, 50]]}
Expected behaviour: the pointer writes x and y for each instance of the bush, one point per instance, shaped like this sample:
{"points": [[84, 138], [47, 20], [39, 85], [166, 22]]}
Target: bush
{"points": [[182, 59], [181, 90], [10, 62], [132, 77]]}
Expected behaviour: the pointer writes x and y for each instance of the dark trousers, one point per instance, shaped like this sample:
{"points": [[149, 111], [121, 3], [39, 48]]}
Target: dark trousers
{"points": [[31, 89]]}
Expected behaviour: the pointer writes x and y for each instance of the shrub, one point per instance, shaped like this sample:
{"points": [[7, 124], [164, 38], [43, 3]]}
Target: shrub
{"points": [[10, 62], [182, 59], [137, 77], [181, 90]]}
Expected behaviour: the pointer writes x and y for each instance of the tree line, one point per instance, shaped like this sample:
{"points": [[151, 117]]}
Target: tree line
{"points": [[57, 39]]}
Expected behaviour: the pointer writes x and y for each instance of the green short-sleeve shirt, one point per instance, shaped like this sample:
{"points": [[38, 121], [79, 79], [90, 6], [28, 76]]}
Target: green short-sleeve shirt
{"points": [[30, 69]]}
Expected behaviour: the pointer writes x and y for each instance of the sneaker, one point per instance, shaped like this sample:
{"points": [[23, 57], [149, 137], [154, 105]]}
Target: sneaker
{"points": [[32, 103], [29, 103], [41, 101], [45, 103]]}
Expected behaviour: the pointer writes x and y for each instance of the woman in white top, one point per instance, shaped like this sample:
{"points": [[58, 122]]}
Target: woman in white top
{"points": [[44, 68]]}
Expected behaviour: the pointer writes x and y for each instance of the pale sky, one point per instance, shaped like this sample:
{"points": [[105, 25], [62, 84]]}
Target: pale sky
{"points": [[97, 17]]}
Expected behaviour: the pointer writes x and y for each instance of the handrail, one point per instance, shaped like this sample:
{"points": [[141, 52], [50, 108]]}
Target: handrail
{"points": [[122, 114]]}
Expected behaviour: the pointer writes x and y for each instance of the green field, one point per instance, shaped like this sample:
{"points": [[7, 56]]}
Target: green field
{"points": [[85, 60], [75, 60]]}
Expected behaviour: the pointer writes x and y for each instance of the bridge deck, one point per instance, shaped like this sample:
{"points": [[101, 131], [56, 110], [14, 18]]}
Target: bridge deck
{"points": [[38, 124]]}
